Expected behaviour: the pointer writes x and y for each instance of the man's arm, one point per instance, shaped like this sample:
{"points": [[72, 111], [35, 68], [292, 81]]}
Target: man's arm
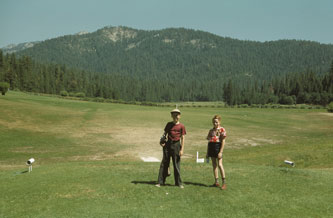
{"points": [[182, 142]]}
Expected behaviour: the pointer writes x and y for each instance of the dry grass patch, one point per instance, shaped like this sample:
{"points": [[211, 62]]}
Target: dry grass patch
{"points": [[4, 166], [326, 114], [82, 192]]}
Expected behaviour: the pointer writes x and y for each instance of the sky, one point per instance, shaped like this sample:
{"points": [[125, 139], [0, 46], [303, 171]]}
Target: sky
{"points": [[255, 20]]}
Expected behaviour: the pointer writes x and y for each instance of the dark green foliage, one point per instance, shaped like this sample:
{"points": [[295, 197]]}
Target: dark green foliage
{"points": [[300, 88], [330, 107], [4, 87]]}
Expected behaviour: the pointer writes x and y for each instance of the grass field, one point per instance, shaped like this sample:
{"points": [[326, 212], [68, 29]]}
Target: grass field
{"points": [[88, 161]]}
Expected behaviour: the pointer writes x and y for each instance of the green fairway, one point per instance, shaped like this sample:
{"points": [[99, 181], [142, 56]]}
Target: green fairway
{"points": [[89, 161]]}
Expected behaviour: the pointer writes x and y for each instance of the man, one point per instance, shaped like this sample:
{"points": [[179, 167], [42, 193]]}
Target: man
{"points": [[174, 147]]}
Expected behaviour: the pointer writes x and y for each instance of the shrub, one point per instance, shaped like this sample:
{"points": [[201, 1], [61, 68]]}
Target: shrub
{"points": [[98, 99], [64, 93], [288, 100], [80, 95], [4, 87], [330, 107], [243, 105]]}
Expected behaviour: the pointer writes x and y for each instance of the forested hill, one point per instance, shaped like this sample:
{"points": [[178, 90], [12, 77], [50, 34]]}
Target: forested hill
{"points": [[181, 53]]}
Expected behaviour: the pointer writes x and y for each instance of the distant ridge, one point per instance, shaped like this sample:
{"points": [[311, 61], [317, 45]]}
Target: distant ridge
{"points": [[12, 48], [178, 51]]}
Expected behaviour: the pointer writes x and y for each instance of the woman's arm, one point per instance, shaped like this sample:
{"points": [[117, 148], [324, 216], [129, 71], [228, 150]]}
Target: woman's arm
{"points": [[221, 149]]}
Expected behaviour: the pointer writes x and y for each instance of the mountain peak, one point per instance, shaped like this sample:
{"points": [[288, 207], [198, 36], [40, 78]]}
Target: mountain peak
{"points": [[118, 33], [82, 33]]}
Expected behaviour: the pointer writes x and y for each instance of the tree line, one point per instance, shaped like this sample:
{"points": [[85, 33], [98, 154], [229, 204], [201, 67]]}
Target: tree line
{"points": [[25, 74], [293, 88]]}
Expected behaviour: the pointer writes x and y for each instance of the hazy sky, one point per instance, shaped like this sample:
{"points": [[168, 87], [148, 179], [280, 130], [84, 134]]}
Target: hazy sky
{"points": [[258, 20]]}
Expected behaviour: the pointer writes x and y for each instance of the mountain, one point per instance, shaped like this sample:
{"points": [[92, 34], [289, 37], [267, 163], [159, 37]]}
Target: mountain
{"points": [[174, 64], [180, 53]]}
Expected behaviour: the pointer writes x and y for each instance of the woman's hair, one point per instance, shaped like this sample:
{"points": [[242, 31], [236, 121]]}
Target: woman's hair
{"points": [[218, 117]]}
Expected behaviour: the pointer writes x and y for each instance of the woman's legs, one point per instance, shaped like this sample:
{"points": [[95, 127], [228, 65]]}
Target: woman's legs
{"points": [[222, 173], [221, 168], [215, 170]]}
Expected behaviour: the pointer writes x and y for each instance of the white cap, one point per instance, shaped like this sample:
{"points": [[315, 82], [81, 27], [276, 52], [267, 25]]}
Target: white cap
{"points": [[175, 111]]}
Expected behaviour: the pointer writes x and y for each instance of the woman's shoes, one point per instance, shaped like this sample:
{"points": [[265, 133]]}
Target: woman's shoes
{"points": [[224, 187]]}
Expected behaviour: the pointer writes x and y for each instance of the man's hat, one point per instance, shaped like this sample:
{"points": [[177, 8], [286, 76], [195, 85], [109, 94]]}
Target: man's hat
{"points": [[175, 111]]}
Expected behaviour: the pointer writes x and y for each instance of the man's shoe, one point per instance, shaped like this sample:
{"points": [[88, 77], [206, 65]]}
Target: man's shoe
{"points": [[158, 185], [181, 186], [224, 187]]}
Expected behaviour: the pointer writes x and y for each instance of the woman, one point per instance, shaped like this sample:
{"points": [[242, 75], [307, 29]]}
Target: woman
{"points": [[216, 137]]}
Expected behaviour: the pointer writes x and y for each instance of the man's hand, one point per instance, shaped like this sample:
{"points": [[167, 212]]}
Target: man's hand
{"points": [[163, 140], [181, 153], [219, 155]]}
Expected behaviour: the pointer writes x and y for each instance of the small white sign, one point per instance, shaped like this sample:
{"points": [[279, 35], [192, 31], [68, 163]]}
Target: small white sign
{"points": [[200, 160], [150, 159]]}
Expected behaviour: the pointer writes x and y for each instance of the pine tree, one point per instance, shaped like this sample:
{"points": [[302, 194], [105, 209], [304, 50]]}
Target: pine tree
{"points": [[1, 60], [2, 65], [11, 73], [228, 93], [330, 80]]}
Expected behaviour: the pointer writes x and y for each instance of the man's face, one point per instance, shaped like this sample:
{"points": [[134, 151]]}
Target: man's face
{"points": [[175, 116]]}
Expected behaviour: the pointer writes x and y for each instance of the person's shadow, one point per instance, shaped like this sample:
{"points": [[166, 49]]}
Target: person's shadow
{"points": [[144, 182], [196, 184], [154, 183], [147, 183]]}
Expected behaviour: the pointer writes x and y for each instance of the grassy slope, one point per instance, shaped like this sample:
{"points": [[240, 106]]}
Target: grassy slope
{"points": [[86, 168]]}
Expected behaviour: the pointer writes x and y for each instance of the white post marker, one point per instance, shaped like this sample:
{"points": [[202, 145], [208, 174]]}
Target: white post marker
{"points": [[29, 163], [200, 160], [290, 163]]}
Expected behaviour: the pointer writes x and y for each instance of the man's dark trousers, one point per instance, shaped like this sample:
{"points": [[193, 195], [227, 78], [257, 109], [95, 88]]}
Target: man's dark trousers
{"points": [[171, 149]]}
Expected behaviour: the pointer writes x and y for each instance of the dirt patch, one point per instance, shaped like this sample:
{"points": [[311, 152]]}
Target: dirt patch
{"points": [[19, 124], [93, 157], [326, 114], [241, 142], [29, 150], [11, 166], [143, 142]]}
